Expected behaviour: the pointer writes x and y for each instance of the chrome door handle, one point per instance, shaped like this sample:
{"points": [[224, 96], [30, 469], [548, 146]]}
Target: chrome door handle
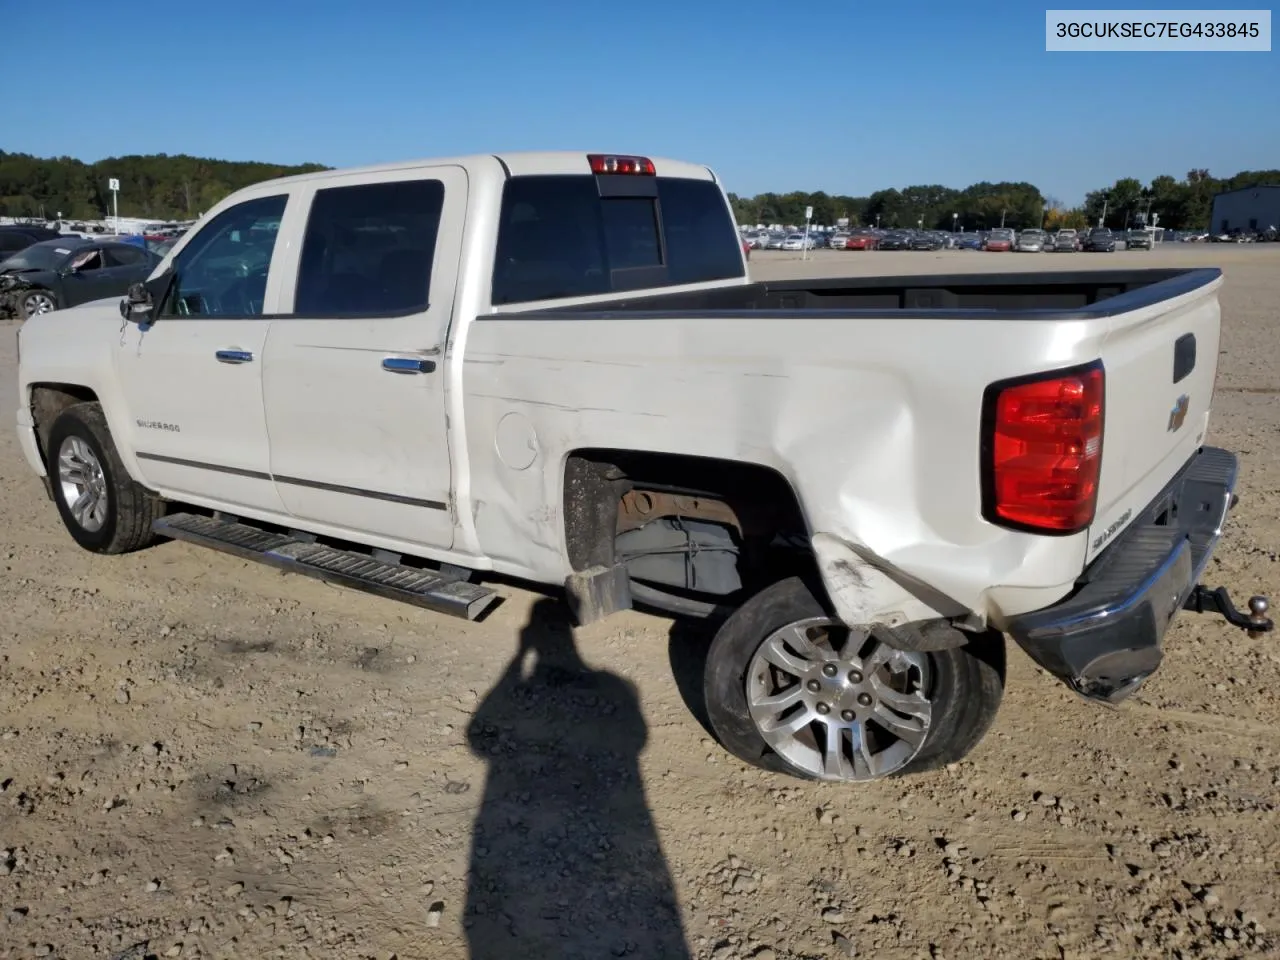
{"points": [[233, 356], [408, 365]]}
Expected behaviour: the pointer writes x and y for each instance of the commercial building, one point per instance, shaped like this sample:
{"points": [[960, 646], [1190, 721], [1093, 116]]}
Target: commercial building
{"points": [[1248, 208]]}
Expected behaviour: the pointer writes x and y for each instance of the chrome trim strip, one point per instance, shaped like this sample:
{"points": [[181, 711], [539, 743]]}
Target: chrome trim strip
{"points": [[296, 481]]}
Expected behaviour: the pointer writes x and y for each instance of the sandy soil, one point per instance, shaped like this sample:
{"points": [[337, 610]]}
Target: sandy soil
{"points": [[202, 758]]}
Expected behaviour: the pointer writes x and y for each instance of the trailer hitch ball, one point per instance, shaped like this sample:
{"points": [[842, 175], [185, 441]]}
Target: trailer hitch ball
{"points": [[1258, 607]]}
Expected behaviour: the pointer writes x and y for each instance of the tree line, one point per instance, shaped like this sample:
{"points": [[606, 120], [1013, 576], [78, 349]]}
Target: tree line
{"points": [[165, 187], [159, 186], [1180, 204]]}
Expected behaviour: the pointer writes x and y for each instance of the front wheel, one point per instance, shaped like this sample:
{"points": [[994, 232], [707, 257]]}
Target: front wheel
{"points": [[790, 689], [37, 301], [102, 507]]}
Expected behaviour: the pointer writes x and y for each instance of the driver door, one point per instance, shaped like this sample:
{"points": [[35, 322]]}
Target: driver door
{"points": [[192, 377]]}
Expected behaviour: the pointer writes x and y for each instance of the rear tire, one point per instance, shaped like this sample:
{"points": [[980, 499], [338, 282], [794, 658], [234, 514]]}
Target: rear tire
{"points": [[854, 731], [103, 508]]}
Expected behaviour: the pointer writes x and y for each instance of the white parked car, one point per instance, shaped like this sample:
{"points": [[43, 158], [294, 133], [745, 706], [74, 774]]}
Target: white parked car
{"points": [[409, 377], [798, 241]]}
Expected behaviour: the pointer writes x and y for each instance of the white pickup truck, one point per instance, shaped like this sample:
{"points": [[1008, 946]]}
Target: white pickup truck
{"points": [[554, 366]]}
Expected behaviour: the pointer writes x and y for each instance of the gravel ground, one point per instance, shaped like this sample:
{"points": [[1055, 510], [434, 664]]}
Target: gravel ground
{"points": [[202, 758]]}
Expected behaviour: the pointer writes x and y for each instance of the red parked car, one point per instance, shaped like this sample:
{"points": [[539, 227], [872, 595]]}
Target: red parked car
{"points": [[1000, 240], [862, 241], [746, 249]]}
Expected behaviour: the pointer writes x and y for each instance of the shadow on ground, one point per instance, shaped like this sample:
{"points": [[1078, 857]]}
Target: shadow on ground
{"points": [[565, 860]]}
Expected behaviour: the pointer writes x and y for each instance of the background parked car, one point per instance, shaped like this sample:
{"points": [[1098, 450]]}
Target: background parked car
{"points": [[1137, 240], [1000, 239], [863, 240], [18, 237], [70, 271], [1066, 241], [1031, 241], [1100, 240]]}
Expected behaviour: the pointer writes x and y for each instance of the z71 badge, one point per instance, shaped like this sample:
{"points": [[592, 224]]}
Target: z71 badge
{"points": [[157, 425], [1178, 415]]}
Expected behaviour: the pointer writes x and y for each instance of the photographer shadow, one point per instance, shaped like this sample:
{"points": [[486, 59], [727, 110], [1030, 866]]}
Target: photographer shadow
{"points": [[565, 858]]}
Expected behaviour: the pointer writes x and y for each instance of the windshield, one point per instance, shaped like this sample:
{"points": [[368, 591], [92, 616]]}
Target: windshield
{"points": [[41, 256]]}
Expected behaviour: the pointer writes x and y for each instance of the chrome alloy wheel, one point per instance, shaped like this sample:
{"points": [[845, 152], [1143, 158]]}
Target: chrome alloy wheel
{"points": [[84, 486], [37, 302], [839, 704]]}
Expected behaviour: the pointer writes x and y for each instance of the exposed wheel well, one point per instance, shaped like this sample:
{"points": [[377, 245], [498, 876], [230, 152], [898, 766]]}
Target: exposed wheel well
{"points": [[50, 399], [717, 530]]}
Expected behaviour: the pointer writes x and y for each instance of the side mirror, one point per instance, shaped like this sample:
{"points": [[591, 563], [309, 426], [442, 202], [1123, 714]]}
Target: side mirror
{"points": [[137, 305]]}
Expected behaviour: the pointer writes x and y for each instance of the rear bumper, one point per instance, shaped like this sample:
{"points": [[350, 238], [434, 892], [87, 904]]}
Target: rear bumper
{"points": [[1105, 639]]}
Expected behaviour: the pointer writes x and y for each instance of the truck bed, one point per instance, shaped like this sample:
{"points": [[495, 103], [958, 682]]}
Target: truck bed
{"points": [[867, 394], [1086, 294]]}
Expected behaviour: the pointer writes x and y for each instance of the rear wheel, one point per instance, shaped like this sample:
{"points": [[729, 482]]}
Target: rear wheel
{"points": [[790, 689]]}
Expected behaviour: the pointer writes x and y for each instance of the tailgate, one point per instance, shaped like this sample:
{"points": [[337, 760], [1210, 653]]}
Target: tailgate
{"points": [[1161, 362]]}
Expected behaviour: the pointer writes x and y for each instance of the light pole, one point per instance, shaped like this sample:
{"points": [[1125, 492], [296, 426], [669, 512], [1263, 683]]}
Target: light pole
{"points": [[1103, 219], [1002, 213], [954, 217]]}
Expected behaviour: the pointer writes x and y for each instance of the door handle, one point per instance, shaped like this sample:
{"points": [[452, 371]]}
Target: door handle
{"points": [[408, 365], [233, 356]]}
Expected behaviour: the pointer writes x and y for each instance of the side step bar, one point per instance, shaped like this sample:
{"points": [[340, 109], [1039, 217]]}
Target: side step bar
{"points": [[442, 592]]}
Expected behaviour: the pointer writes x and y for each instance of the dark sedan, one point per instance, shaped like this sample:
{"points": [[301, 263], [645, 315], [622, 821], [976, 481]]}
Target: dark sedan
{"points": [[17, 237], [927, 241], [1100, 240], [70, 271], [895, 241]]}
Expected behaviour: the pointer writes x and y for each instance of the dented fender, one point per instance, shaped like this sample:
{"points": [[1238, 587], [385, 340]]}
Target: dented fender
{"points": [[863, 589]]}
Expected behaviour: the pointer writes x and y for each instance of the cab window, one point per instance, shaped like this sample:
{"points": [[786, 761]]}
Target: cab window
{"points": [[222, 271]]}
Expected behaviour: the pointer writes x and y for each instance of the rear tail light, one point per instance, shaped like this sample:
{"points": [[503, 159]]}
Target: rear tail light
{"points": [[608, 163], [1042, 450]]}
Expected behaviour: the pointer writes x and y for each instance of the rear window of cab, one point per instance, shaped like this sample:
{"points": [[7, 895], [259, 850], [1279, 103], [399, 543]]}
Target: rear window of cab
{"points": [[564, 236]]}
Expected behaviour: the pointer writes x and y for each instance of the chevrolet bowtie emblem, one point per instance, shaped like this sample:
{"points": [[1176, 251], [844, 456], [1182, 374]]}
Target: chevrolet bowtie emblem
{"points": [[1179, 412]]}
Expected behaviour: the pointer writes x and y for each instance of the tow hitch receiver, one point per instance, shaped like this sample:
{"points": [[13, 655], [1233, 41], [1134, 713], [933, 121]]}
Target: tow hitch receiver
{"points": [[1255, 622]]}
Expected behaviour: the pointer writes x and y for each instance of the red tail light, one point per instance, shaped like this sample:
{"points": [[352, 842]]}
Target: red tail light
{"points": [[608, 163], [1042, 450]]}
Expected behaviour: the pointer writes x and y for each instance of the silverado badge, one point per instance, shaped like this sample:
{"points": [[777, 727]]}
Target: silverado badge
{"points": [[1179, 412]]}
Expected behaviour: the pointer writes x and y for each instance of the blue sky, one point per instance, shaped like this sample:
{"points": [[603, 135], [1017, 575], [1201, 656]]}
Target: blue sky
{"points": [[893, 93]]}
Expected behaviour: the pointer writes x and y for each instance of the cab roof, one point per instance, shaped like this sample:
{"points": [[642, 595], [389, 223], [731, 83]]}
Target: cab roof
{"points": [[516, 164]]}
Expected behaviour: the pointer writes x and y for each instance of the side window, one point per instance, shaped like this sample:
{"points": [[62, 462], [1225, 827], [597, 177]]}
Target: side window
{"points": [[222, 271], [86, 260], [702, 241], [549, 240], [368, 250], [126, 255]]}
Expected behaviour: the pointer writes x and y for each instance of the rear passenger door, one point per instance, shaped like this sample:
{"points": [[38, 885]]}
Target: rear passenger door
{"points": [[354, 376]]}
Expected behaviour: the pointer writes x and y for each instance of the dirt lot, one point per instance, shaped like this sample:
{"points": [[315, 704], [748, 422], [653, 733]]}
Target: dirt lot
{"points": [[202, 758]]}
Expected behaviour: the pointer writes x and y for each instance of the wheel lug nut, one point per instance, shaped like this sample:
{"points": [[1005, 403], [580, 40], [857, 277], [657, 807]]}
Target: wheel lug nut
{"points": [[855, 676], [822, 708], [814, 686], [864, 699], [847, 716], [830, 670]]}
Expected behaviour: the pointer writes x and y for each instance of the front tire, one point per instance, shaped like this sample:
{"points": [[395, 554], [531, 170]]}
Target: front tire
{"points": [[37, 301], [102, 507], [790, 689]]}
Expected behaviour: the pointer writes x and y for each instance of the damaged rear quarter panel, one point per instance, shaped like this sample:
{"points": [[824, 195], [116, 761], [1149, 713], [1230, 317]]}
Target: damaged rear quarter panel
{"points": [[874, 420]]}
